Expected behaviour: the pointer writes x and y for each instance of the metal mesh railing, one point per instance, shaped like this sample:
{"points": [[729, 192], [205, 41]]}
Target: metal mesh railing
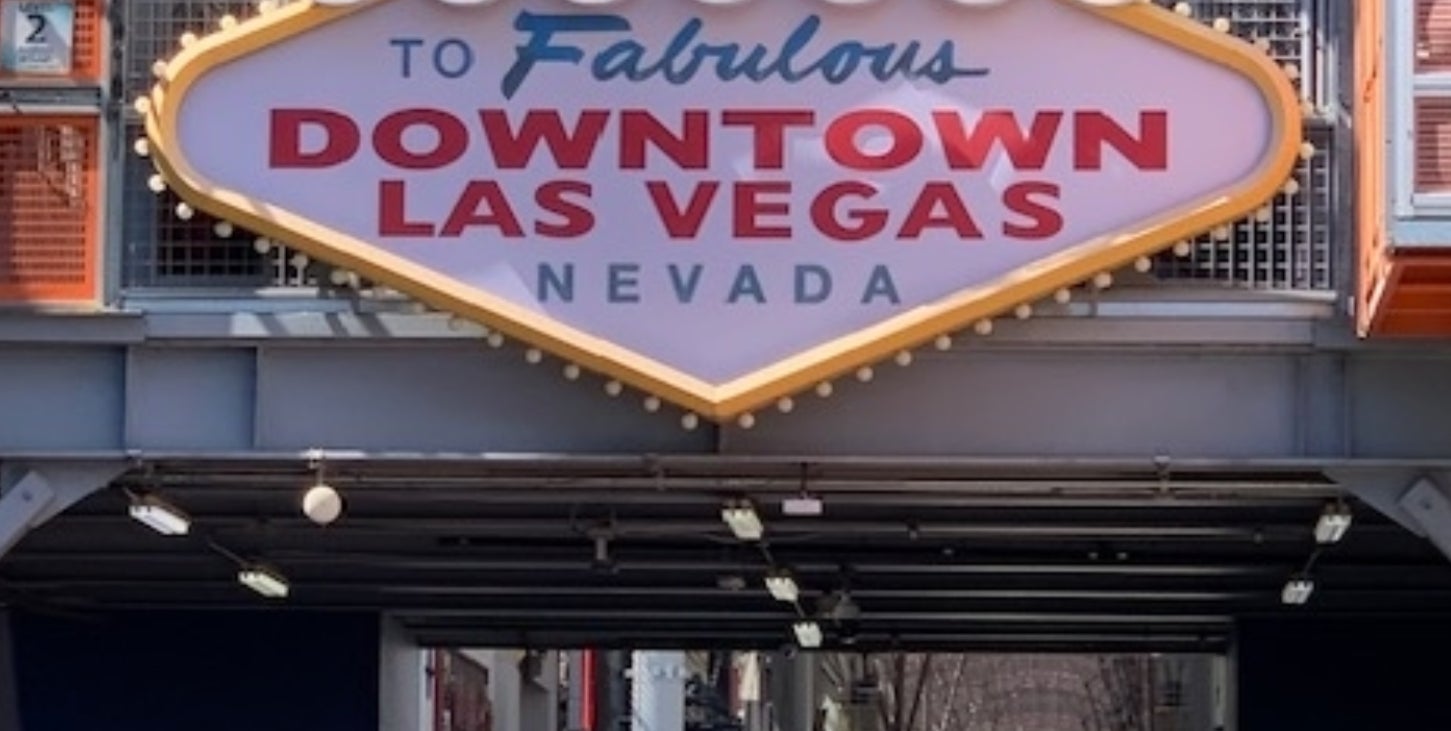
{"points": [[47, 208], [161, 250], [1289, 246]]}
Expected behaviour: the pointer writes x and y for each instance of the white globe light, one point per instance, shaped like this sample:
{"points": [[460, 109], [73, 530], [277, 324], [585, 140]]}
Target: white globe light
{"points": [[322, 504]]}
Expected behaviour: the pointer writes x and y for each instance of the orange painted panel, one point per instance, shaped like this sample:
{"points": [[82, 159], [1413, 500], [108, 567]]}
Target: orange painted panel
{"points": [[48, 216]]}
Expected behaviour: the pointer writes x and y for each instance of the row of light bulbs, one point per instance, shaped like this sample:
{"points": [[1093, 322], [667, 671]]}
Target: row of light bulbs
{"points": [[785, 404]]}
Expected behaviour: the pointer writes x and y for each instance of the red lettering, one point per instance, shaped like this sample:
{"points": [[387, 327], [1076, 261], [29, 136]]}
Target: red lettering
{"points": [[768, 129], [392, 219], [1092, 131], [577, 219], [452, 142], [682, 223], [924, 213], [496, 212], [1023, 199], [842, 143], [1027, 150], [749, 208], [690, 150], [285, 151], [869, 222], [571, 150]]}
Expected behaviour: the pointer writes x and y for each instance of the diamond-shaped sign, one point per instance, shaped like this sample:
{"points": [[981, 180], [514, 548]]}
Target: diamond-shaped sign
{"points": [[723, 204]]}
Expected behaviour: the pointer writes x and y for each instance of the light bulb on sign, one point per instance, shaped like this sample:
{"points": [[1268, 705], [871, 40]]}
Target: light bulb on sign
{"points": [[983, 327], [571, 372], [786, 405], [614, 388], [184, 211], [943, 342], [689, 422], [262, 245], [824, 389], [652, 404], [223, 229], [156, 184]]}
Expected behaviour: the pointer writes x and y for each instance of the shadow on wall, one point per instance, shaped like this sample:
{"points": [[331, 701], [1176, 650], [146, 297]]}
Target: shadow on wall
{"points": [[185, 671]]}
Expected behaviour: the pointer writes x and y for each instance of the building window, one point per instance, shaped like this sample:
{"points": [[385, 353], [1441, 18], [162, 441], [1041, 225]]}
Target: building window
{"points": [[1420, 59]]}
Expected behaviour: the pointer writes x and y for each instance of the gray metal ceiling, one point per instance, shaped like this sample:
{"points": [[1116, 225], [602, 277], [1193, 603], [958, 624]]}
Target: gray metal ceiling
{"points": [[1003, 554]]}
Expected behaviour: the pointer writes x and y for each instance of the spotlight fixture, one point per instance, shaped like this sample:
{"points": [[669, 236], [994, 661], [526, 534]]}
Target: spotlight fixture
{"points": [[808, 634], [160, 515], [1297, 590], [1333, 523], [804, 505], [743, 520], [264, 580], [322, 504], [782, 586]]}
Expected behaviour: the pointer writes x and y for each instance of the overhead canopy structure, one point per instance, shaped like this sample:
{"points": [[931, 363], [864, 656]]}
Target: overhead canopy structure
{"points": [[544, 551]]}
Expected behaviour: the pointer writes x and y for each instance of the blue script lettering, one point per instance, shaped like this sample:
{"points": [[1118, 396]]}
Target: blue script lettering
{"points": [[686, 56]]}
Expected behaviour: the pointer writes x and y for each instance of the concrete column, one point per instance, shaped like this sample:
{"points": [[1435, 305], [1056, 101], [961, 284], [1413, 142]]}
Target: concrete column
{"points": [[9, 690], [539, 692], [614, 691], [794, 691], [403, 693], [659, 691]]}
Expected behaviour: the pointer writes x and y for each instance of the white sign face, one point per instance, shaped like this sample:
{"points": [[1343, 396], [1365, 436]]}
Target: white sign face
{"points": [[37, 37], [724, 202]]}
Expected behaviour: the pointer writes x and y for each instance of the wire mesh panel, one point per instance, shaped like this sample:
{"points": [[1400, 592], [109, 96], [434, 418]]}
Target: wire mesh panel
{"points": [[47, 209], [162, 249], [1289, 245]]}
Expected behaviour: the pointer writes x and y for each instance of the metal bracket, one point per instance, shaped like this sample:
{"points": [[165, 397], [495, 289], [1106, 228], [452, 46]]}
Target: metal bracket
{"points": [[1412, 498], [36, 493]]}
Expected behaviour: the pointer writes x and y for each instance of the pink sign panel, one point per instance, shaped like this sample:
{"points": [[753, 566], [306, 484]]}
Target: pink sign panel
{"points": [[716, 192]]}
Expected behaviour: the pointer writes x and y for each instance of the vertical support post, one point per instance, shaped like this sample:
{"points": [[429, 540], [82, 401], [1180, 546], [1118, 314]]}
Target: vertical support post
{"points": [[659, 691], [793, 691], [614, 692], [9, 683]]}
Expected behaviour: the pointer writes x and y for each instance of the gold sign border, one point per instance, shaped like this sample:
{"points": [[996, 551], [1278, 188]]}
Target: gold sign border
{"points": [[786, 377]]}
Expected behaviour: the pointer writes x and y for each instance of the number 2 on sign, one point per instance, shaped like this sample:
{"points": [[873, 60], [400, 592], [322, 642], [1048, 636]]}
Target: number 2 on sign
{"points": [[37, 28]]}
